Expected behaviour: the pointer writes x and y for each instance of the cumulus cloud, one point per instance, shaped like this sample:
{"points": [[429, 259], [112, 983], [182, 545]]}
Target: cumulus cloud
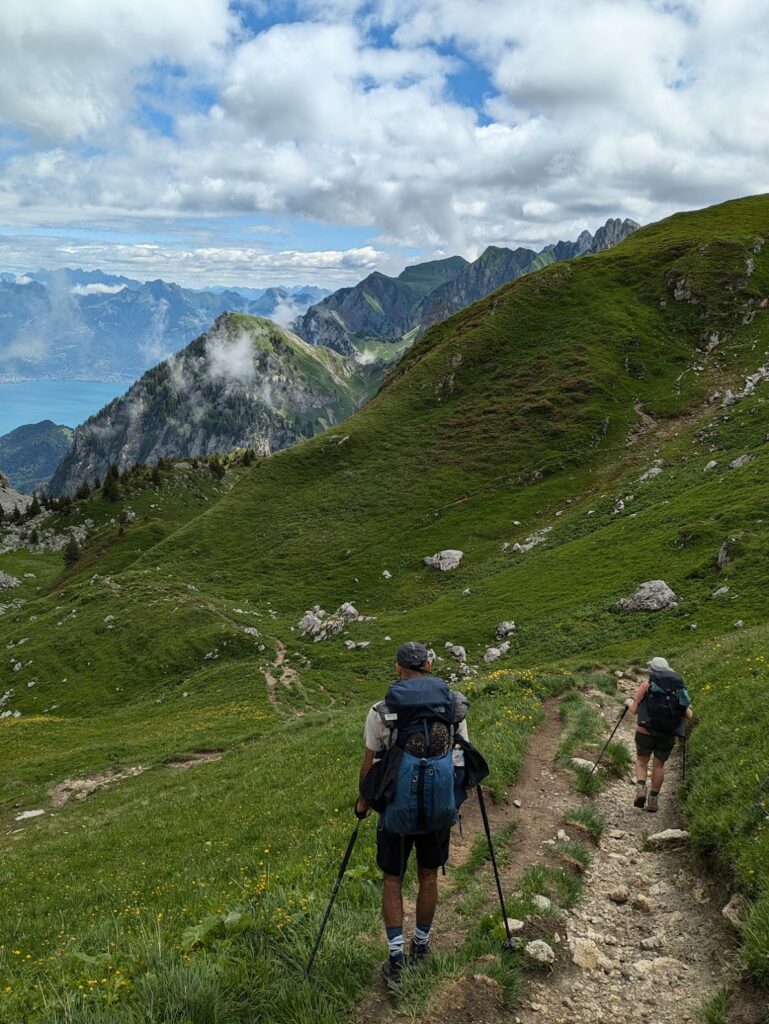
{"points": [[97, 289], [595, 109]]}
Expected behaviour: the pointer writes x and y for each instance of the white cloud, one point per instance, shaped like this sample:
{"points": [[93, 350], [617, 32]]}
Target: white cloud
{"points": [[67, 70], [97, 289], [598, 108]]}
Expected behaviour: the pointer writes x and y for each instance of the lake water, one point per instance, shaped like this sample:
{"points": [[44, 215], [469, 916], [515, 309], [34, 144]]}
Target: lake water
{"points": [[67, 402]]}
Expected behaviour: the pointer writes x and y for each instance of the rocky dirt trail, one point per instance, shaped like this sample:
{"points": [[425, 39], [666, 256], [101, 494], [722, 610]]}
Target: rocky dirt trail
{"points": [[647, 943]]}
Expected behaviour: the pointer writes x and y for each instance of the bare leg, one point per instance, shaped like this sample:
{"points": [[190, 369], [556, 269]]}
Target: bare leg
{"points": [[658, 774], [392, 901], [642, 768], [427, 898]]}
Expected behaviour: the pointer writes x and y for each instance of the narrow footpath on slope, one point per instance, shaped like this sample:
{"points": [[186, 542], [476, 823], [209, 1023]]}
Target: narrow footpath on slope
{"points": [[647, 943]]}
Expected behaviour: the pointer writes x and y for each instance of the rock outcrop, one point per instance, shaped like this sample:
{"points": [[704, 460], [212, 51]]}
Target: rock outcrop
{"points": [[652, 596], [444, 560]]}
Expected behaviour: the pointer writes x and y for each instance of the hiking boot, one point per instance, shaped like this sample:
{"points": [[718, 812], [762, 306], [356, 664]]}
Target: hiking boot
{"points": [[640, 794], [392, 972], [653, 803], [418, 953]]}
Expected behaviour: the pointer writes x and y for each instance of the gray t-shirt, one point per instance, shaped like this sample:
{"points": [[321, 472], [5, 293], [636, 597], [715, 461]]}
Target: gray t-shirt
{"points": [[376, 733]]}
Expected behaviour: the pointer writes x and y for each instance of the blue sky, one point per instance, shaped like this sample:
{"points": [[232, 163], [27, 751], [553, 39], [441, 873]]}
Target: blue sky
{"points": [[260, 143]]}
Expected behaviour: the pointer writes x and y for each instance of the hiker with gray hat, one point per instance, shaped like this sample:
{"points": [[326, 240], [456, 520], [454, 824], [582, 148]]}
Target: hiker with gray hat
{"points": [[418, 735], [663, 705]]}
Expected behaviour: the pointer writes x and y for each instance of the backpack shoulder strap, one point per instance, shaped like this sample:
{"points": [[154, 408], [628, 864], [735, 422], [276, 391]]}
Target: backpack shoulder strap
{"points": [[459, 708], [389, 720]]}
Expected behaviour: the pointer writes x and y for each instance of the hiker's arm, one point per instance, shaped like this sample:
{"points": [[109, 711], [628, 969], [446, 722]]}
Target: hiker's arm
{"points": [[689, 711], [632, 702], [361, 805]]}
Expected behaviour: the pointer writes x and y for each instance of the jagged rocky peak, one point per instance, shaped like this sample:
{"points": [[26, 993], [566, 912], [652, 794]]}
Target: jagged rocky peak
{"points": [[389, 309], [612, 233]]}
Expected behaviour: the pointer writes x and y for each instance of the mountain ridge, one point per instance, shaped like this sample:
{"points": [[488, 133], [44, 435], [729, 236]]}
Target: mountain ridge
{"points": [[348, 317]]}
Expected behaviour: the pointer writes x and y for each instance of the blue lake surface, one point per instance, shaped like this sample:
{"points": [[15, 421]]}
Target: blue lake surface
{"points": [[67, 402]]}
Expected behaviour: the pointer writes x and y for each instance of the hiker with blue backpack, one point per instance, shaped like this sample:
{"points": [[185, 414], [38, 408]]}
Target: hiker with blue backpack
{"points": [[417, 768], [663, 706]]}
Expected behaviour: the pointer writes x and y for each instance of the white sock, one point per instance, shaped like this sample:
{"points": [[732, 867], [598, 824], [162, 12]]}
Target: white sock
{"points": [[421, 935], [395, 944]]}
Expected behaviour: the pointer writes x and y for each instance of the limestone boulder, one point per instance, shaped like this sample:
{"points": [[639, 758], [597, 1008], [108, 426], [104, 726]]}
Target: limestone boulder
{"points": [[652, 596], [444, 560]]}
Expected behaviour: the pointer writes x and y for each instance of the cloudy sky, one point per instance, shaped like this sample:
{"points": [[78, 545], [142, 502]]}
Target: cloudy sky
{"points": [[257, 143]]}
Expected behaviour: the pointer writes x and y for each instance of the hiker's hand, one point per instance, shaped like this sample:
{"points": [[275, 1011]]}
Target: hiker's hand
{"points": [[629, 703], [361, 809]]}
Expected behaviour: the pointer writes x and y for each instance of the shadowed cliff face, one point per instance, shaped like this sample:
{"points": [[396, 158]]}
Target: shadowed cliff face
{"points": [[245, 383]]}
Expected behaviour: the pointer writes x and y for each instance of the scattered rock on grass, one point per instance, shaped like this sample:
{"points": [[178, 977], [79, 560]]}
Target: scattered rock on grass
{"points": [[444, 560], [652, 596], [538, 952], [29, 814], [541, 902], [504, 629], [8, 582]]}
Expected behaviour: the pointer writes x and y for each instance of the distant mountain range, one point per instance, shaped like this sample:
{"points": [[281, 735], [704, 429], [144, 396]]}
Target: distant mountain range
{"points": [[30, 454], [396, 309], [88, 325], [244, 383]]}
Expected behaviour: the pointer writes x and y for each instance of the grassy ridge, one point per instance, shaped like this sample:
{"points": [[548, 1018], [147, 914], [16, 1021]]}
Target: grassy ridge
{"points": [[508, 419], [728, 788]]}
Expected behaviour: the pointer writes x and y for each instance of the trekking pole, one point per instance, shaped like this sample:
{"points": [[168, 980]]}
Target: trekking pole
{"points": [[683, 755], [510, 943], [606, 744], [339, 877]]}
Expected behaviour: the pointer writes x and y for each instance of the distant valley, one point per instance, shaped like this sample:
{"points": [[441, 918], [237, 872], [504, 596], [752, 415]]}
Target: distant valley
{"points": [[87, 325]]}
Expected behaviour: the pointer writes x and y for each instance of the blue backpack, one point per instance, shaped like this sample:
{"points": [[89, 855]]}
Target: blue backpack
{"points": [[421, 714]]}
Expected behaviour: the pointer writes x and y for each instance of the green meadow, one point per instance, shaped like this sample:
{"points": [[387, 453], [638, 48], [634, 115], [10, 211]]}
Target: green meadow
{"points": [[192, 895]]}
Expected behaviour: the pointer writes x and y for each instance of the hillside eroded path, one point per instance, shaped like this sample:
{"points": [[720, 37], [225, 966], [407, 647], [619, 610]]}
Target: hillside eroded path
{"points": [[655, 962]]}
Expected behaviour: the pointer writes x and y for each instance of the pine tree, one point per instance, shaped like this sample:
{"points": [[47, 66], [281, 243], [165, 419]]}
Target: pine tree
{"points": [[83, 491], [111, 488], [34, 508], [16, 516], [71, 552]]}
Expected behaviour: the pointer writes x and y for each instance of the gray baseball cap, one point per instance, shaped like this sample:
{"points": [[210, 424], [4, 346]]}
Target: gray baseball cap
{"points": [[413, 655]]}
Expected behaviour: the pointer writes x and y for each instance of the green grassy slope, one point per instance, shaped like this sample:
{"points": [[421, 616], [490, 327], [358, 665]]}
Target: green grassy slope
{"points": [[518, 415]]}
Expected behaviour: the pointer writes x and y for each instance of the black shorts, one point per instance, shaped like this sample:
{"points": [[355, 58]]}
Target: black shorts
{"points": [[659, 745], [432, 850]]}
